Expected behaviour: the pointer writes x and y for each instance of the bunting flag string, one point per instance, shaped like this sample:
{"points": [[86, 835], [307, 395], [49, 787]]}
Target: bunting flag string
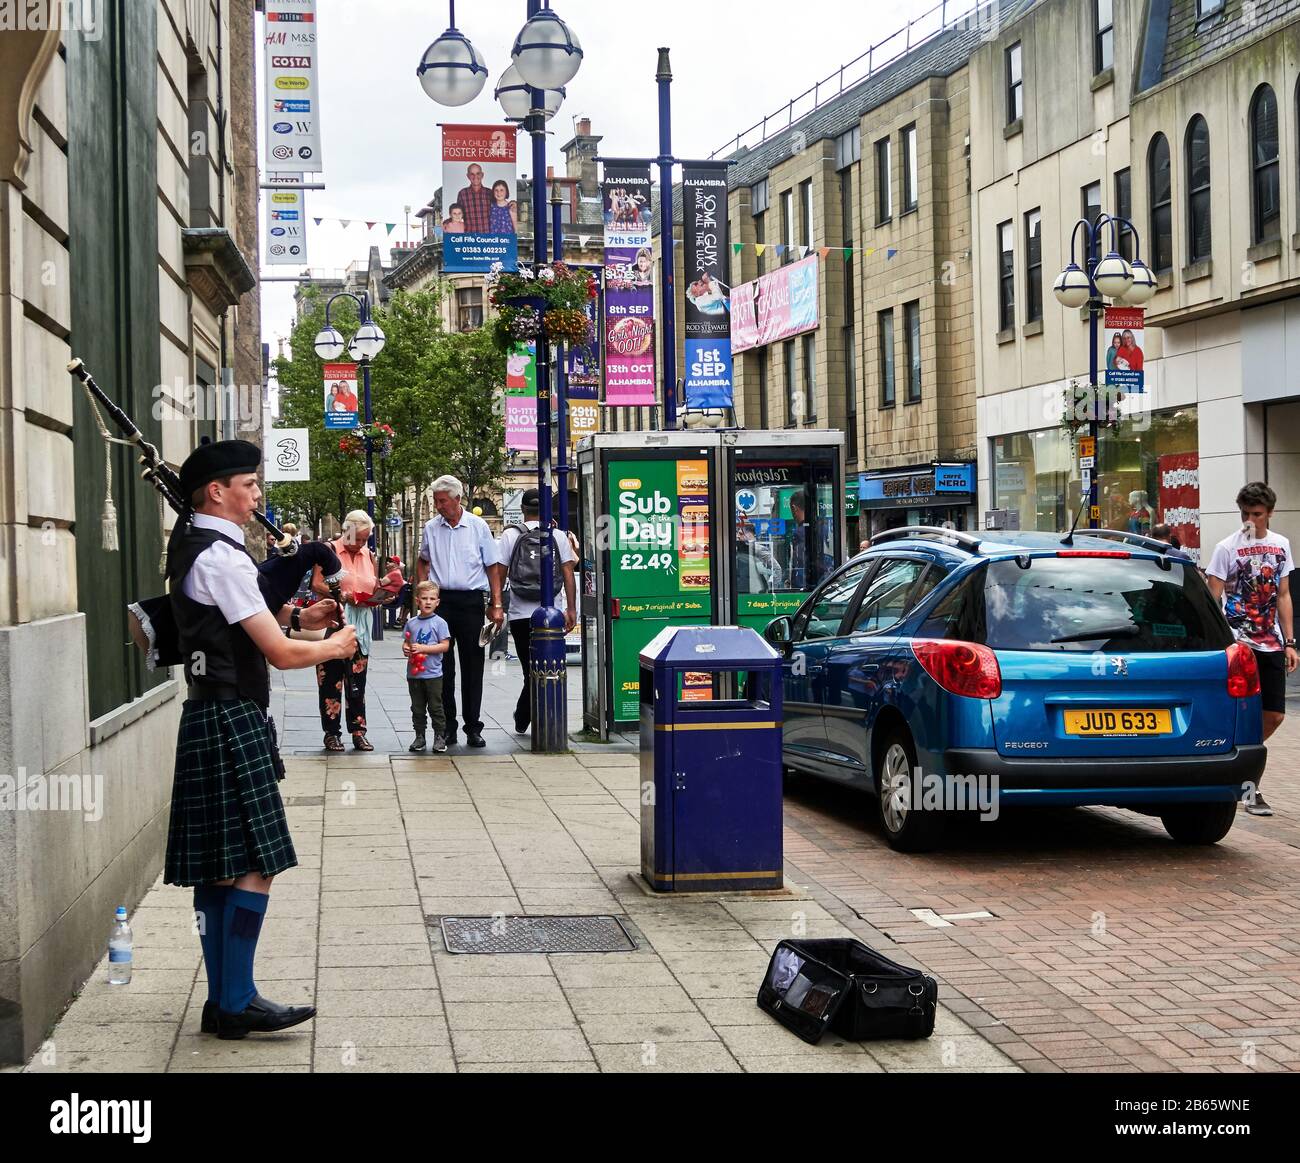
{"points": [[389, 227], [801, 252]]}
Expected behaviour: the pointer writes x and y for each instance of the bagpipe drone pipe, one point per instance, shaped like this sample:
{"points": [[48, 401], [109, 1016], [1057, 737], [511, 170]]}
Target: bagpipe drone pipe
{"points": [[152, 624]]}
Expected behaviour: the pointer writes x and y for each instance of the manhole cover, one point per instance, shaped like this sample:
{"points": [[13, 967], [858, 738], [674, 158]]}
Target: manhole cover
{"points": [[501, 934]]}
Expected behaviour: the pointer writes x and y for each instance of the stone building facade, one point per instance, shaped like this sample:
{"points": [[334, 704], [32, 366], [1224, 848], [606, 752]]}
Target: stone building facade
{"points": [[118, 245], [1154, 116]]}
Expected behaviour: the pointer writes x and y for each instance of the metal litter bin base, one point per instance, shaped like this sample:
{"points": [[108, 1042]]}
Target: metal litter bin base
{"points": [[516, 934]]}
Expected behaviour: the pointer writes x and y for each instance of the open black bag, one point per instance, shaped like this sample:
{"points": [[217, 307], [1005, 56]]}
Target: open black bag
{"points": [[842, 985]]}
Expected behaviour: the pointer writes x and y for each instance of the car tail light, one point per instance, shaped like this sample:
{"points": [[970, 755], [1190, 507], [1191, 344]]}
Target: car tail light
{"points": [[961, 668], [1243, 671], [1093, 553]]}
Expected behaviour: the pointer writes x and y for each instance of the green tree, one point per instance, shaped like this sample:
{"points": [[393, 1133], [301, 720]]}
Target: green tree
{"points": [[440, 392]]}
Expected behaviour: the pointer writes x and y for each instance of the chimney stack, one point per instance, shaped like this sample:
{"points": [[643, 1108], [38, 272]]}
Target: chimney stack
{"points": [[580, 158]]}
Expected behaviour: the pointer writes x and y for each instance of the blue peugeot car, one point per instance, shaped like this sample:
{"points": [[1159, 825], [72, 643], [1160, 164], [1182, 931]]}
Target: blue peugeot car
{"points": [[947, 671]]}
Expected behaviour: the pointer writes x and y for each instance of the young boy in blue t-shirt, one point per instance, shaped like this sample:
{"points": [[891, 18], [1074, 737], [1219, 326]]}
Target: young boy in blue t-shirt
{"points": [[426, 639]]}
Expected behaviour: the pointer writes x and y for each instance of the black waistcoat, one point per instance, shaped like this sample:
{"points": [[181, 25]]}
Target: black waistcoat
{"points": [[228, 655]]}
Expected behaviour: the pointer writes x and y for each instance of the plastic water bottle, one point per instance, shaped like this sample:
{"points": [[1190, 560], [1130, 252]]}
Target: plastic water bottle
{"points": [[119, 950]]}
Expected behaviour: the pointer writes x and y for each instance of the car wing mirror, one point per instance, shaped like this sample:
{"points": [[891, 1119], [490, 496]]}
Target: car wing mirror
{"points": [[779, 632]]}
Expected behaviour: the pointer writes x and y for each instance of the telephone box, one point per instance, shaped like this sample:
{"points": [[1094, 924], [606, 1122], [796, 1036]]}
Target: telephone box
{"points": [[696, 528]]}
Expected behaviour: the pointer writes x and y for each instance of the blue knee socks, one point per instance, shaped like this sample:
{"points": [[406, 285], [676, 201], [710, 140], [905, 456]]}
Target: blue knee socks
{"points": [[210, 905], [242, 923]]}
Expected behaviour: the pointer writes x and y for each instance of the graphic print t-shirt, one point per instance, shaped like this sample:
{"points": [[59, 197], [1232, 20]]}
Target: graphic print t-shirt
{"points": [[1252, 569], [425, 632]]}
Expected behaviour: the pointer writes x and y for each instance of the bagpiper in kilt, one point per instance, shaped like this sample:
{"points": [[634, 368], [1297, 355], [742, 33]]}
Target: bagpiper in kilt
{"points": [[228, 835]]}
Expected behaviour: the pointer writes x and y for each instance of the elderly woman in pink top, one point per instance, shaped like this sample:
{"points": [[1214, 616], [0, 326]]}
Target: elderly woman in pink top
{"points": [[360, 577]]}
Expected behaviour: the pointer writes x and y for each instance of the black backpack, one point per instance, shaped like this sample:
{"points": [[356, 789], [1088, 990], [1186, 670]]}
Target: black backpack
{"points": [[525, 569]]}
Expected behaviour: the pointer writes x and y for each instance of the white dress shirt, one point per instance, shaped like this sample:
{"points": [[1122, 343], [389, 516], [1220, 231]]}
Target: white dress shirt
{"points": [[221, 576], [459, 555]]}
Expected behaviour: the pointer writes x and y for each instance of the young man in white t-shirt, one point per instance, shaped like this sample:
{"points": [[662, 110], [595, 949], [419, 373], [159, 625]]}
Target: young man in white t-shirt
{"points": [[1248, 573]]}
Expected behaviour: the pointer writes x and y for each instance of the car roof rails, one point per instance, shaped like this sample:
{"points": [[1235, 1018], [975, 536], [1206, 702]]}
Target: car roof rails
{"points": [[928, 533], [1162, 547]]}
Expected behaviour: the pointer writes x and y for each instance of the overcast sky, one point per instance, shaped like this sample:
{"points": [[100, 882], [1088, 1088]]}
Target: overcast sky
{"points": [[732, 64]]}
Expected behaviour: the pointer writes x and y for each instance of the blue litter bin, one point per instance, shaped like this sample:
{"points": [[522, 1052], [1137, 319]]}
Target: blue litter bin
{"points": [[710, 761]]}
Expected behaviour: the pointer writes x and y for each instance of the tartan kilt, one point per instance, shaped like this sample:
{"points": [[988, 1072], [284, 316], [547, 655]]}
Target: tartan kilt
{"points": [[227, 817]]}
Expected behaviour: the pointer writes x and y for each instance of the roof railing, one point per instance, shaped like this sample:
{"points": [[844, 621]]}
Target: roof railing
{"points": [[1131, 539], [928, 533], [897, 44]]}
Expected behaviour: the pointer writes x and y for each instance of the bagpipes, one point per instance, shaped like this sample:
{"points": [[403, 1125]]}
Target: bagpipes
{"points": [[153, 625]]}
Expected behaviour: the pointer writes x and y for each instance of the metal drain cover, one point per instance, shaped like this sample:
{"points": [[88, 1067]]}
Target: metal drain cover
{"points": [[502, 934]]}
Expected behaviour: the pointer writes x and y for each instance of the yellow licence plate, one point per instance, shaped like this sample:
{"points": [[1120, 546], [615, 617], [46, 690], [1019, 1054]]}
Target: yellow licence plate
{"points": [[1116, 721]]}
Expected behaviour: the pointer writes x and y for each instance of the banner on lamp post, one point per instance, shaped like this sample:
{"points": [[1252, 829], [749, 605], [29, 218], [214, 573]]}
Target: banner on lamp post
{"points": [[292, 92], [1124, 356], [480, 218], [287, 455], [341, 404], [521, 399], [582, 375], [629, 286], [705, 244], [285, 241]]}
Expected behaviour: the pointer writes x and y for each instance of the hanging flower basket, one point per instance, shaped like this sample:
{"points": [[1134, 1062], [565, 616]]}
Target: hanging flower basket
{"points": [[353, 443], [1080, 403], [557, 294]]}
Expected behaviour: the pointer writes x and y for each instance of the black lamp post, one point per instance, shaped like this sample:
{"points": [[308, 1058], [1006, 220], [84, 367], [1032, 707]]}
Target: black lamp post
{"points": [[367, 343], [1112, 276]]}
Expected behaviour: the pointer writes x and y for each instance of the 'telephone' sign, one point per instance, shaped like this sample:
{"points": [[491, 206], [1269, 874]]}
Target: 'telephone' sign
{"points": [[292, 107]]}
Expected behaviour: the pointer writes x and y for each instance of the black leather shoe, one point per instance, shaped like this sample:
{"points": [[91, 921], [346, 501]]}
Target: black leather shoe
{"points": [[474, 739], [261, 1017], [521, 725], [209, 1023], [452, 739]]}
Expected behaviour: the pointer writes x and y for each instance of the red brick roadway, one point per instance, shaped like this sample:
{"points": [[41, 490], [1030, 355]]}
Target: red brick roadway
{"points": [[1111, 948]]}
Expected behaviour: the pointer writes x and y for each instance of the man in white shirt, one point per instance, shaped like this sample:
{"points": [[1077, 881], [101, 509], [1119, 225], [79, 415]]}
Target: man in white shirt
{"points": [[228, 836], [458, 552], [1249, 573], [522, 570]]}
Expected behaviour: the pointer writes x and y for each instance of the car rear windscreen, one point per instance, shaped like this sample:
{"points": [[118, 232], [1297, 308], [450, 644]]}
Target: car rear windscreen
{"points": [[1083, 604]]}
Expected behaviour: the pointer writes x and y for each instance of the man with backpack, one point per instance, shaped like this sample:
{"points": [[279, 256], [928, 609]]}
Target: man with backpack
{"points": [[520, 552]]}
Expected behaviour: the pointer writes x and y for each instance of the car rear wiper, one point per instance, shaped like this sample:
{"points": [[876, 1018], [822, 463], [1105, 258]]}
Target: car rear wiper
{"points": [[1109, 632]]}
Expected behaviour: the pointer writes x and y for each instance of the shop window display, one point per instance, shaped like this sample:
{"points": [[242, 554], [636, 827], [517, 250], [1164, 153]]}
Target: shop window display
{"points": [[1149, 475]]}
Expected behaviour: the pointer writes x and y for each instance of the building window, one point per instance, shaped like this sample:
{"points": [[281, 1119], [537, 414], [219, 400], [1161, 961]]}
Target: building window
{"points": [[850, 391], [469, 308], [805, 213], [1015, 87], [885, 340], [758, 197], [884, 198], [1198, 190], [1266, 221], [1104, 37], [1206, 8], [202, 147], [848, 148], [760, 232], [791, 389], [912, 325], [1090, 201], [1033, 266], [760, 358], [1124, 209], [1006, 277], [909, 168], [1160, 194], [787, 226], [847, 334], [810, 378]]}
